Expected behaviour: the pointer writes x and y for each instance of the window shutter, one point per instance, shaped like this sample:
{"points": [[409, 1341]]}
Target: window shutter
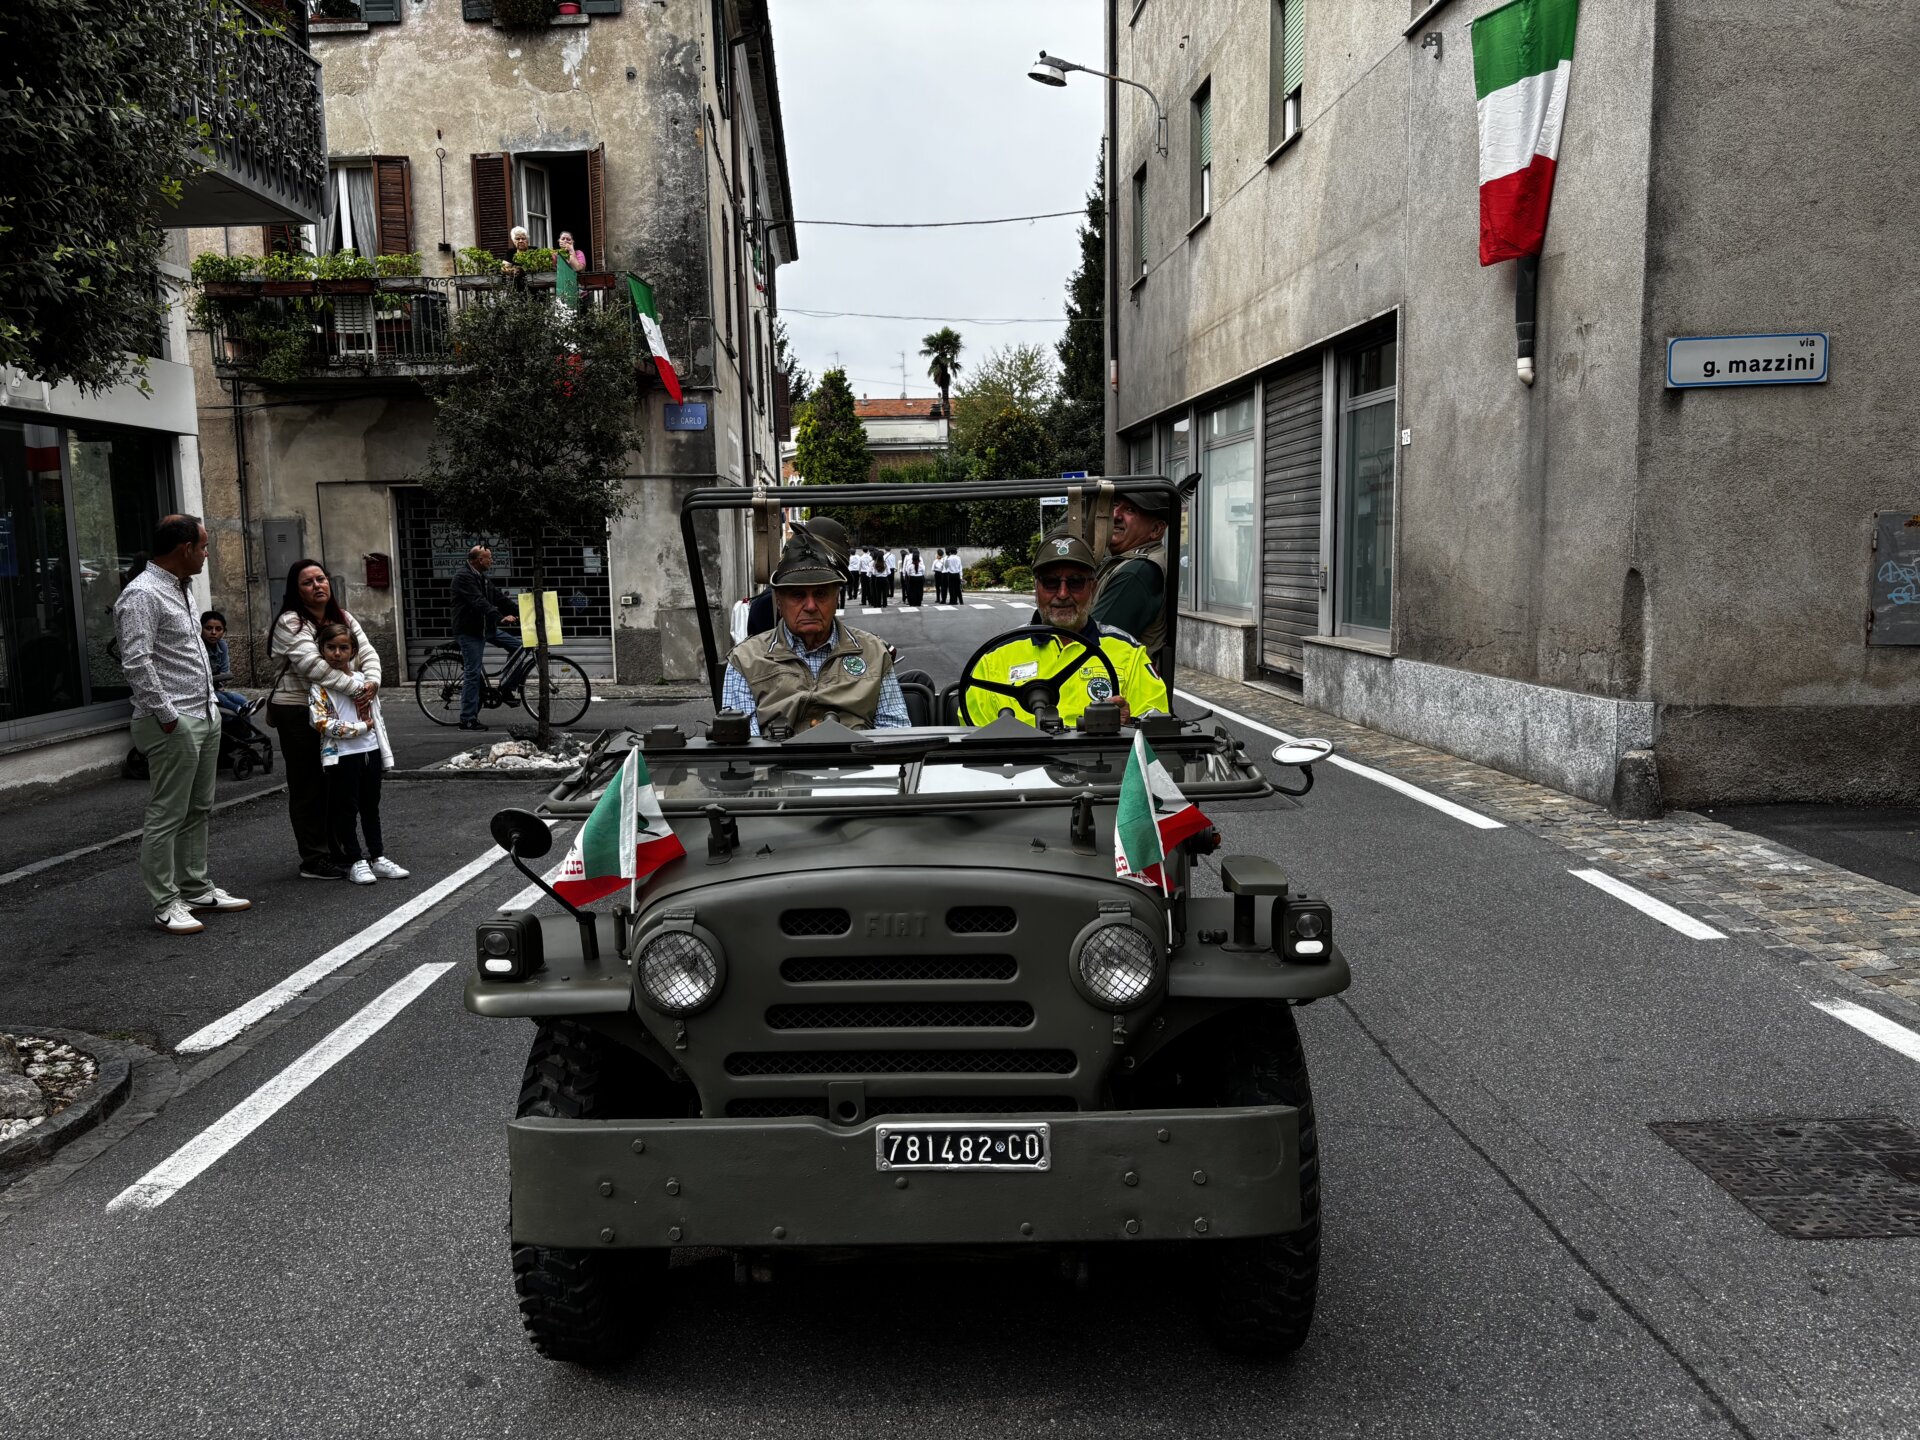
{"points": [[1294, 43], [393, 198], [1206, 128], [1140, 223], [493, 203], [601, 7], [476, 9], [380, 12], [598, 257], [283, 239]]}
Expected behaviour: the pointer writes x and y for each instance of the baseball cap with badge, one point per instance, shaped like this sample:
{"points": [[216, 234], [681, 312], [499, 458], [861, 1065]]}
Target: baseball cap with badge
{"points": [[806, 560], [1059, 547]]}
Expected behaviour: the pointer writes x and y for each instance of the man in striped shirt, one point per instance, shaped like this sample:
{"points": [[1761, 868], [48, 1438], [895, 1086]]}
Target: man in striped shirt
{"points": [[176, 724]]}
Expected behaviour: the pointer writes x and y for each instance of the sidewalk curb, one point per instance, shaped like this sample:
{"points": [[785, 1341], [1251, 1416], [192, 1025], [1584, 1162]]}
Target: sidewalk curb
{"points": [[109, 1089]]}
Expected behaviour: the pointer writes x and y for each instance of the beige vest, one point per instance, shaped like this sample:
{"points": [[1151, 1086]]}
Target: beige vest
{"points": [[786, 693], [1155, 634]]}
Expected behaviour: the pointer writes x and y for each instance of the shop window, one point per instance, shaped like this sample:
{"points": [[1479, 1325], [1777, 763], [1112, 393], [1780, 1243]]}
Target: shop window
{"points": [[1364, 558], [1174, 464], [1229, 540]]}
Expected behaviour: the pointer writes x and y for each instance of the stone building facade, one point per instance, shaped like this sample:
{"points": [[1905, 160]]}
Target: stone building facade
{"points": [[650, 130], [1542, 578]]}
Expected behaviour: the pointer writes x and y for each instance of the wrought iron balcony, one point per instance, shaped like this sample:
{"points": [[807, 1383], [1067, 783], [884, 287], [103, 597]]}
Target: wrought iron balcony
{"points": [[306, 331], [259, 97]]}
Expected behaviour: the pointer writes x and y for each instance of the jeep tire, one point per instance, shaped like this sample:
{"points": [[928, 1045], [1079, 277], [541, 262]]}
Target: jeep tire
{"points": [[1258, 1293], [584, 1306]]}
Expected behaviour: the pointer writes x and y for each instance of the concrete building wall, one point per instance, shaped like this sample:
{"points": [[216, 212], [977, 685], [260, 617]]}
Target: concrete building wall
{"points": [[1786, 196]]}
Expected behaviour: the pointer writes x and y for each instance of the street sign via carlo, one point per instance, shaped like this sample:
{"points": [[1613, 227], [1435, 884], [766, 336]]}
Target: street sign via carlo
{"points": [[1696, 362], [1893, 580], [691, 416]]}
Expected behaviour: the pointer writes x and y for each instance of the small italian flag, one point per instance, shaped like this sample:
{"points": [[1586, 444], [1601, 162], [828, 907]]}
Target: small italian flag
{"points": [[1522, 62], [1153, 818], [625, 838], [656, 342]]}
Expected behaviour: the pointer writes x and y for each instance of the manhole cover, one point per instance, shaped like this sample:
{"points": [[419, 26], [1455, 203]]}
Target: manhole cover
{"points": [[1811, 1179]]}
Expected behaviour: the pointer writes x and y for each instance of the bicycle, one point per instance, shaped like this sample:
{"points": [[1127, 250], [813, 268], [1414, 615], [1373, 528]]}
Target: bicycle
{"points": [[443, 673]]}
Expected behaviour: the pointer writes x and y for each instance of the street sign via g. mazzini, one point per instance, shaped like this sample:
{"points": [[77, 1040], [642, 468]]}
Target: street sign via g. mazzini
{"points": [[1697, 362]]}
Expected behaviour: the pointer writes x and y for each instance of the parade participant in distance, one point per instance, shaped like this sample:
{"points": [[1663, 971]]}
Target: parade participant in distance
{"points": [[810, 667], [1133, 580], [1064, 591]]}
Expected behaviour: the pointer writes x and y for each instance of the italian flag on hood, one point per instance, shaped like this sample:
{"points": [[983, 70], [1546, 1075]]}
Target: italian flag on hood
{"points": [[625, 838], [1153, 818], [1522, 62], [656, 342]]}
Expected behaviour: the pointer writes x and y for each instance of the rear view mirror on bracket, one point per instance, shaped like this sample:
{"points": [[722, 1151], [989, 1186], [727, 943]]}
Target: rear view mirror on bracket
{"points": [[1302, 752]]}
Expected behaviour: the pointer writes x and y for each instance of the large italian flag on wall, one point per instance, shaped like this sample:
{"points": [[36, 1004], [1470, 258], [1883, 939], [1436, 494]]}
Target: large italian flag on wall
{"points": [[1522, 61]]}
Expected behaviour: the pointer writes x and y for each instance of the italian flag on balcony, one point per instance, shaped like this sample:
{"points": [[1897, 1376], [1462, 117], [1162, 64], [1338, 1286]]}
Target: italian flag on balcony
{"points": [[1522, 62], [656, 342], [1153, 818], [625, 839]]}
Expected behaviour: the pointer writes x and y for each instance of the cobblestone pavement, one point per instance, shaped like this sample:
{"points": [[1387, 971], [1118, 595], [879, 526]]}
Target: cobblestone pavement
{"points": [[1863, 933]]}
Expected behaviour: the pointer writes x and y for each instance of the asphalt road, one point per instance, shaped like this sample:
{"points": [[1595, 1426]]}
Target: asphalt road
{"points": [[1509, 1249]]}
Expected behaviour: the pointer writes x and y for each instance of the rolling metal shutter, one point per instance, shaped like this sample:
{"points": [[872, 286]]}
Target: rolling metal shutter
{"points": [[1290, 517]]}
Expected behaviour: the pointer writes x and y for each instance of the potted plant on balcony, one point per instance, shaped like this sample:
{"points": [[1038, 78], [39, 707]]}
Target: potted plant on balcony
{"points": [[476, 268], [225, 277], [225, 288], [346, 273], [287, 273], [537, 265]]}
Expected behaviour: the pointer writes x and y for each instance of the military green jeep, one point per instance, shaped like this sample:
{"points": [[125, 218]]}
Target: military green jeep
{"points": [[895, 996]]}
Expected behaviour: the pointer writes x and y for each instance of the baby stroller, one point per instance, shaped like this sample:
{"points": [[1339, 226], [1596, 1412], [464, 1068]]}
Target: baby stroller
{"points": [[244, 747]]}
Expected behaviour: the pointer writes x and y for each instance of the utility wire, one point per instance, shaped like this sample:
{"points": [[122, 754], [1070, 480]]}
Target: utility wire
{"points": [[929, 224]]}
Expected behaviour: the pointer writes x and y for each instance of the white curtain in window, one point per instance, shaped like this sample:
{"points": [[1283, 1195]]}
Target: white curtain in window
{"points": [[366, 228]]}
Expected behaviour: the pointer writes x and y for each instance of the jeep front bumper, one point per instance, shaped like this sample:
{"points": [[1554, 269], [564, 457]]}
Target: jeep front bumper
{"points": [[1115, 1175]]}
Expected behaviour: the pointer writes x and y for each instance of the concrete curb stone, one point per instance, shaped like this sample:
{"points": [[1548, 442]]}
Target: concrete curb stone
{"points": [[112, 1080]]}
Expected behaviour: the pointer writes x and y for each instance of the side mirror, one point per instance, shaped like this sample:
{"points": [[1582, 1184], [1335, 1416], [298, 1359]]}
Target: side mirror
{"points": [[521, 833], [1297, 752]]}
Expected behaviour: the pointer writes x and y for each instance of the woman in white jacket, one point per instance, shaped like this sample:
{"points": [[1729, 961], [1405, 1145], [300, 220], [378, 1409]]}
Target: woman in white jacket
{"points": [[355, 753]]}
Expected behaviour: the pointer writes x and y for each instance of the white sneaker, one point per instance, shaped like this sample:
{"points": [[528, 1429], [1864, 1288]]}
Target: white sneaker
{"points": [[216, 899], [360, 873], [176, 919], [387, 870]]}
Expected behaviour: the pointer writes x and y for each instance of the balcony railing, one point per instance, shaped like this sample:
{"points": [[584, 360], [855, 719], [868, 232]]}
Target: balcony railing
{"points": [[259, 97], [299, 331]]}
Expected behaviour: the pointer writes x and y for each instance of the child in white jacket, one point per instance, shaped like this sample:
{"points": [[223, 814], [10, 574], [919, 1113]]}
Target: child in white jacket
{"points": [[354, 753]]}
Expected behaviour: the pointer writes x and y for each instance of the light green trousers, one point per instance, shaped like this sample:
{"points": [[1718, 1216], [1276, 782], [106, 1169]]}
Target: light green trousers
{"points": [[182, 767]]}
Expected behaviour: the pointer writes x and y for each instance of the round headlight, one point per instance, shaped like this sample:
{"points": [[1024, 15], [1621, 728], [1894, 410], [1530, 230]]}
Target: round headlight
{"points": [[1118, 965], [678, 972]]}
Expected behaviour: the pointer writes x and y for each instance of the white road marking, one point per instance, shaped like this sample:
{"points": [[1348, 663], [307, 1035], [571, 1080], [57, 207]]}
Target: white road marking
{"points": [[978, 605], [171, 1175], [909, 609], [946, 607], [1365, 772], [122, 838], [1872, 1022], [874, 610], [1647, 905], [213, 1036], [1016, 604]]}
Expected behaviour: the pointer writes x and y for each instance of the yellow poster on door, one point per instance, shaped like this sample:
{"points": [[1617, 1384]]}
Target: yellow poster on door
{"points": [[552, 607]]}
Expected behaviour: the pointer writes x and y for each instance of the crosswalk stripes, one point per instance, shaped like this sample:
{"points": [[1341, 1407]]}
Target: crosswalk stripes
{"points": [[946, 607], [978, 605]]}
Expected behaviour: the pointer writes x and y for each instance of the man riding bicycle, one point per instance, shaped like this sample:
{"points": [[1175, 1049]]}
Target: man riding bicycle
{"points": [[480, 608]]}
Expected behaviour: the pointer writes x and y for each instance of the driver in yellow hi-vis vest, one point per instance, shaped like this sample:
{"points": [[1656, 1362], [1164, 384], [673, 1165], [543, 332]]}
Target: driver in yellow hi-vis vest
{"points": [[1064, 583]]}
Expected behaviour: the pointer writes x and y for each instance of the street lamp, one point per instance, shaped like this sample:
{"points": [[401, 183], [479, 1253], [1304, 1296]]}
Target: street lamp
{"points": [[1052, 70]]}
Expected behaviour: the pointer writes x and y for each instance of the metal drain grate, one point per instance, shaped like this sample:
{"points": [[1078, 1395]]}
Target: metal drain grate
{"points": [[1811, 1179]]}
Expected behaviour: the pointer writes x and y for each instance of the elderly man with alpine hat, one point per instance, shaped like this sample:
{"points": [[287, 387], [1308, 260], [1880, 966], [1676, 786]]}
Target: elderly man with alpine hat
{"points": [[810, 667], [1133, 578], [1065, 591]]}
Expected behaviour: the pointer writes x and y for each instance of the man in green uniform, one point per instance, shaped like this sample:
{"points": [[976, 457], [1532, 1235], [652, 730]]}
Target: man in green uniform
{"points": [[810, 667], [1133, 581], [1064, 591]]}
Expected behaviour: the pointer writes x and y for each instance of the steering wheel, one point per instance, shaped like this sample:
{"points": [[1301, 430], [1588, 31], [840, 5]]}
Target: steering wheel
{"points": [[1043, 688]]}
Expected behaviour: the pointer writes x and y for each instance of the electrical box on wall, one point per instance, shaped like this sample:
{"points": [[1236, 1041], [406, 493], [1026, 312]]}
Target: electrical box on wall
{"points": [[379, 571], [282, 542]]}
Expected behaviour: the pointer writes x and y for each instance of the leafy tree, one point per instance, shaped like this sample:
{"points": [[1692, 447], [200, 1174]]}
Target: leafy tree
{"points": [[942, 350], [799, 382], [531, 433], [1013, 445], [1020, 376], [1077, 417], [830, 443], [100, 148]]}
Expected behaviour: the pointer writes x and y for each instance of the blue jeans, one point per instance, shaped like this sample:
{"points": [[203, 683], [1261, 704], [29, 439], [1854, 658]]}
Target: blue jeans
{"points": [[473, 656]]}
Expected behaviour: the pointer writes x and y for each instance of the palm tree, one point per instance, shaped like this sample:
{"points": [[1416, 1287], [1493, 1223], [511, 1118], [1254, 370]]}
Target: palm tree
{"points": [[942, 349]]}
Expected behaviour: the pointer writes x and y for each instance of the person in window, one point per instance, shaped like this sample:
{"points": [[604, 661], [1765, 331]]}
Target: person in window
{"points": [[810, 667], [567, 265], [1065, 588]]}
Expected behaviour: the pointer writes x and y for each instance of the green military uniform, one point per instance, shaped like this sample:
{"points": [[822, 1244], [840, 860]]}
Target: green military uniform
{"points": [[786, 692], [1133, 589], [1044, 656]]}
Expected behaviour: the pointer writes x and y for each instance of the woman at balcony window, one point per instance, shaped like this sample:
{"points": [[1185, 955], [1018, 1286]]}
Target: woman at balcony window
{"points": [[567, 265]]}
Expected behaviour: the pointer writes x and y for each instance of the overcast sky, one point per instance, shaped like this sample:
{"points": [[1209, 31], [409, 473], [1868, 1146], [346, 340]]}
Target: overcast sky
{"points": [[922, 110]]}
